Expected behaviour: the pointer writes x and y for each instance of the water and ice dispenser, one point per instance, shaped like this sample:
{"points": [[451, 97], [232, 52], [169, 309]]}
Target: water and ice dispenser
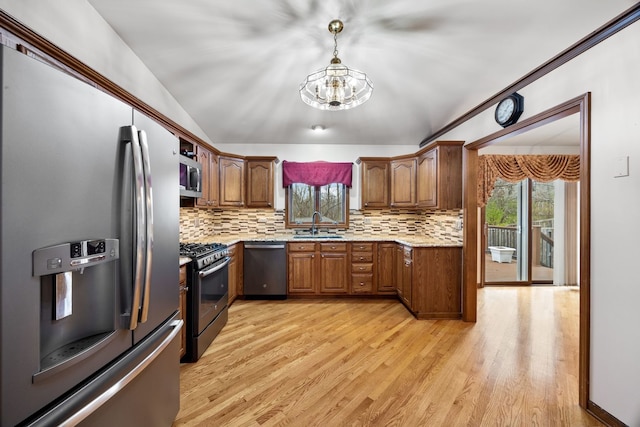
{"points": [[79, 298]]}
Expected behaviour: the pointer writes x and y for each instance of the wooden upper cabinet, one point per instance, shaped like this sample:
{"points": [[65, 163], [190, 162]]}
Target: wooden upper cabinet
{"points": [[231, 181], [440, 175], [403, 182], [375, 183], [260, 182], [427, 185], [209, 162]]}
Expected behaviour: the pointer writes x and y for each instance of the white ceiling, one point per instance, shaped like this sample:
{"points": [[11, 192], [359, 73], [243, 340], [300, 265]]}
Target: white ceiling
{"points": [[235, 66]]}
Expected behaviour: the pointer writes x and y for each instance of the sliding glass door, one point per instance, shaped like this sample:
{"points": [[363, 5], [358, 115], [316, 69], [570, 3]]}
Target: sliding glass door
{"points": [[518, 233]]}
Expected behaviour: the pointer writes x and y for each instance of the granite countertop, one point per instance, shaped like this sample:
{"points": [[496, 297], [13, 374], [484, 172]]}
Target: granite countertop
{"points": [[184, 260], [413, 241]]}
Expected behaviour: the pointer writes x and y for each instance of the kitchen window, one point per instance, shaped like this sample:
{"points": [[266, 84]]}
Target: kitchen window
{"points": [[319, 188], [330, 201]]}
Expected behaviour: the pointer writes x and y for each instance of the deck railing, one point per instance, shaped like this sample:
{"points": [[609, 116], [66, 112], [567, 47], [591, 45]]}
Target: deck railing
{"points": [[508, 236]]}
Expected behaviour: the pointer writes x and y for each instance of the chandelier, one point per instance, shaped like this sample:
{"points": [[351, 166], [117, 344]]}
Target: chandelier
{"points": [[336, 87]]}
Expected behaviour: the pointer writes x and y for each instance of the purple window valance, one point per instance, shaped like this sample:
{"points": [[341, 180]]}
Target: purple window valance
{"points": [[316, 173]]}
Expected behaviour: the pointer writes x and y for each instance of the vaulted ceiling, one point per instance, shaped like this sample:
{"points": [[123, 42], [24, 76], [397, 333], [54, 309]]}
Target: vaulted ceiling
{"points": [[235, 66]]}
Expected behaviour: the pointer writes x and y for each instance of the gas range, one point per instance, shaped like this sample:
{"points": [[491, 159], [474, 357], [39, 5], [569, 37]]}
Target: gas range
{"points": [[204, 254]]}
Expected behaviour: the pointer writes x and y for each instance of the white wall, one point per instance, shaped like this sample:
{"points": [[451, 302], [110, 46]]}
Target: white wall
{"points": [[76, 27], [610, 72]]}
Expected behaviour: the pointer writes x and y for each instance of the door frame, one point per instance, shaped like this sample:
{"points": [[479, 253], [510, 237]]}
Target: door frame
{"points": [[579, 105]]}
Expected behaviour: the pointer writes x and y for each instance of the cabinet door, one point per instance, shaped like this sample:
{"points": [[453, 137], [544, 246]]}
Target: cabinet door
{"points": [[403, 183], [386, 268], [375, 184], [209, 162], [397, 271], [213, 179], [233, 273], [259, 184], [407, 278], [427, 185], [334, 272], [301, 274], [203, 156], [231, 182], [183, 309]]}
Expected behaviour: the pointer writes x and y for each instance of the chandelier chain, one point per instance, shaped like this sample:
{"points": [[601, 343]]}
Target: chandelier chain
{"points": [[335, 45]]}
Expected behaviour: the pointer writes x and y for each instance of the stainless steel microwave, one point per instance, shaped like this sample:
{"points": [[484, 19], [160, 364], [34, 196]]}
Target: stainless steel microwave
{"points": [[190, 177]]}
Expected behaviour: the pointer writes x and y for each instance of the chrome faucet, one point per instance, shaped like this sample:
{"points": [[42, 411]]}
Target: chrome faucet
{"points": [[313, 222]]}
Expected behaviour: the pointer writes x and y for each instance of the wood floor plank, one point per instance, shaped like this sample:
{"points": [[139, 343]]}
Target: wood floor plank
{"points": [[370, 363]]}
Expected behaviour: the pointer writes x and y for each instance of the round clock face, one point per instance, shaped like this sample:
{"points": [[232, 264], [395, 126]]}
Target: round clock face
{"points": [[505, 109]]}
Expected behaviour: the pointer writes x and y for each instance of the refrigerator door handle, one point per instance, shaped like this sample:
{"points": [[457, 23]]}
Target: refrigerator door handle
{"points": [[148, 227], [96, 403], [140, 218]]}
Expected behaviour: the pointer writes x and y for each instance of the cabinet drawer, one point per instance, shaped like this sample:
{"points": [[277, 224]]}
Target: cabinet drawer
{"points": [[361, 257], [183, 275], [361, 283], [362, 268], [333, 247], [362, 247], [302, 247]]}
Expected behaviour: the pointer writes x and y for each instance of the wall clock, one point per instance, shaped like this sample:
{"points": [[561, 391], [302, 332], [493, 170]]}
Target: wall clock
{"points": [[509, 109]]}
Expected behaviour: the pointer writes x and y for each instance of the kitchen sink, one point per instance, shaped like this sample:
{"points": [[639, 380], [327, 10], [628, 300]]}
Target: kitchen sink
{"points": [[317, 236]]}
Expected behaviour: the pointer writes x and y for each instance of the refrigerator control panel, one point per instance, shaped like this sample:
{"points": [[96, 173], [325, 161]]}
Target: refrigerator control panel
{"points": [[74, 255]]}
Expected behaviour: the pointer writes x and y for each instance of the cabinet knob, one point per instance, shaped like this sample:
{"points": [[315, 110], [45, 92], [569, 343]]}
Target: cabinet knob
{"points": [[361, 268], [333, 247]]}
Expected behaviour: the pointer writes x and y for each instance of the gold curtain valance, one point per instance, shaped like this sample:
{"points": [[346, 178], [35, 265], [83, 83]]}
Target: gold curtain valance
{"points": [[515, 168]]}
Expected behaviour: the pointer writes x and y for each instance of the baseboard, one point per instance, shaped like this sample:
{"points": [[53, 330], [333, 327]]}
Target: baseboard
{"points": [[604, 416]]}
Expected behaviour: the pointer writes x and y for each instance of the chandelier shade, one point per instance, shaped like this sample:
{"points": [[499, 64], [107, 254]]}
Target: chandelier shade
{"points": [[336, 87]]}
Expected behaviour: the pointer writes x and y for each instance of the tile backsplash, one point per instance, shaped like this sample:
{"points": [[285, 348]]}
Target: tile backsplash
{"points": [[197, 223]]}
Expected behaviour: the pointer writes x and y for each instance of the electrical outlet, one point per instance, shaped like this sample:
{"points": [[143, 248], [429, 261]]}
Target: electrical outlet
{"points": [[458, 224], [196, 222]]}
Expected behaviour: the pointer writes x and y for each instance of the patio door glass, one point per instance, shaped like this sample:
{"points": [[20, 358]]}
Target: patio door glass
{"points": [[506, 245], [519, 233]]}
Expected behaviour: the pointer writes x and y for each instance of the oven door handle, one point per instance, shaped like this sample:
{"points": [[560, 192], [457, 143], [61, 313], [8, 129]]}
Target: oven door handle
{"points": [[218, 267]]}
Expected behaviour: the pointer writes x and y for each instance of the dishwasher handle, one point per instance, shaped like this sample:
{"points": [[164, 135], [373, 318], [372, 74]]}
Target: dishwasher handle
{"points": [[263, 246]]}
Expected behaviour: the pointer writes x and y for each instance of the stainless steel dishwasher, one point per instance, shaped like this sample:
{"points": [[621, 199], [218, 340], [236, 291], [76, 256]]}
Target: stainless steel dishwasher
{"points": [[265, 270]]}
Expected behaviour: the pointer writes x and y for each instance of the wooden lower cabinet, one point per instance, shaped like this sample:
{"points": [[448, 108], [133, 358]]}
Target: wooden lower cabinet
{"points": [[428, 280], [301, 271], [318, 268], [182, 309], [362, 267], [404, 274], [235, 272], [386, 268], [435, 276], [333, 268]]}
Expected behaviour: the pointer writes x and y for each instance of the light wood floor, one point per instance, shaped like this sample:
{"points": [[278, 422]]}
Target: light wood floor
{"points": [[370, 363]]}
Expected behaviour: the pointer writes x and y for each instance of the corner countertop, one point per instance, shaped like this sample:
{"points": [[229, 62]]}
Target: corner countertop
{"points": [[412, 241], [184, 260]]}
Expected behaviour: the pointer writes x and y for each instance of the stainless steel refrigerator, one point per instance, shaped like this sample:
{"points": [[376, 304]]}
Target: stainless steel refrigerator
{"points": [[89, 257]]}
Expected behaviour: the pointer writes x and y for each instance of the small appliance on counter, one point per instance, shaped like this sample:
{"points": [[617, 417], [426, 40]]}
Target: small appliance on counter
{"points": [[207, 295]]}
